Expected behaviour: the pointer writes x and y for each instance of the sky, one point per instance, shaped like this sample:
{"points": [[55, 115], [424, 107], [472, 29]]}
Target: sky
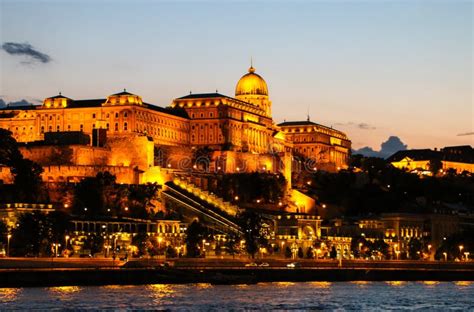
{"points": [[373, 69]]}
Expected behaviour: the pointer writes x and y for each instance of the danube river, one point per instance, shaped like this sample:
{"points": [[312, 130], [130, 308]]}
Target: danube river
{"points": [[429, 296]]}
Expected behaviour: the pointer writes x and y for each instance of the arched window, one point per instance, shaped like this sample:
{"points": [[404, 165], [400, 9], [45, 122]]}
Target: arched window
{"points": [[42, 129], [116, 126], [125, 126]]}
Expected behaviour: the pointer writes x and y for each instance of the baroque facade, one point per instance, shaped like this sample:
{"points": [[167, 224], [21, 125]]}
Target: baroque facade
{"points": [[239, 131]]}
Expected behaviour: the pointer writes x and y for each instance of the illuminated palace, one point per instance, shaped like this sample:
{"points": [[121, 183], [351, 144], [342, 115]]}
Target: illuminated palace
{"points": [[238, 130]]}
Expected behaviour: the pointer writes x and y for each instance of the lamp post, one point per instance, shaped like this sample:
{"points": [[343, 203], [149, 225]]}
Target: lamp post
{"points": [[461, 247], [8, 244], [467, 255], [56, 246], [445, 254], [66, 239]]}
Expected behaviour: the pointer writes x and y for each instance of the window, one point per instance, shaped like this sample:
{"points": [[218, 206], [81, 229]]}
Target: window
{"points": [[108, 126], [108, 115], [50, 117], [93, 116], [125, 114], [116, 115], [50, 128], [116, 126], [57, 128], [93, 126], [69, 127], [125, 126], [42, 129], [81, 127], [211, 115]]}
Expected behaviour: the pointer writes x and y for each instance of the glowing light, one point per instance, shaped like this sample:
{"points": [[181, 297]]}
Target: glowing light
{"points": [[321, 284], [396, 283]]}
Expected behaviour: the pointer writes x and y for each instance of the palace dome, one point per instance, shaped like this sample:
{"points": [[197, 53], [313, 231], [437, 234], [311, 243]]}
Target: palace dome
{"points": [[124, 98], [251, 84]]}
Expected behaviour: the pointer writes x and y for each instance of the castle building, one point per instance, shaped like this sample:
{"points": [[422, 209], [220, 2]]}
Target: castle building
{"points": [[456, 158], [238, 130]]}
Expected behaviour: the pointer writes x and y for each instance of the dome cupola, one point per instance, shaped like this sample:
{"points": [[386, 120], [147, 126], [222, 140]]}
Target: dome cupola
{"points": [[124, 98], [58, 101], [251, 84]]}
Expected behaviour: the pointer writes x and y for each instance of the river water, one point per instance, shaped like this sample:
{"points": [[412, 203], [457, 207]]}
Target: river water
{"points": [[428, 296]]}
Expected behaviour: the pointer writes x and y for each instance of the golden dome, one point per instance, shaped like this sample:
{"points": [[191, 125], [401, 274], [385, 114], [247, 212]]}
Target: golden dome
{"points": [[251, 84]]}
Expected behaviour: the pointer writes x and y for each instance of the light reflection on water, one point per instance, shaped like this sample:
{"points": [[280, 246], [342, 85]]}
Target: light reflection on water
{"points": [[463, 283], [8, 294], [320, 284], [396, 283], [359, 295]]}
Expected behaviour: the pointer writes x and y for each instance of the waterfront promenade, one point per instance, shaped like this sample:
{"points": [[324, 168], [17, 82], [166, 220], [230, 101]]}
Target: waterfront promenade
{"points": [[21, 272]]}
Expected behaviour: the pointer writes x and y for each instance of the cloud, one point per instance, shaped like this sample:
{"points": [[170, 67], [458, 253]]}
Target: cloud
{"points": [[387, 148], [365, 126], [361, 125], [26, 49], [465, 133]]}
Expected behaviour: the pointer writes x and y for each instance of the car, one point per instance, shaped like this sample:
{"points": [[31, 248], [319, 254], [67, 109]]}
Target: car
{"points": [[264, 264], [251, 264], [293, 265]]}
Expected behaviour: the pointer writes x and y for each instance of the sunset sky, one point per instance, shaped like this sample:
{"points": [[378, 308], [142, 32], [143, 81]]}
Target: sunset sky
{"points": [[370, 68]]}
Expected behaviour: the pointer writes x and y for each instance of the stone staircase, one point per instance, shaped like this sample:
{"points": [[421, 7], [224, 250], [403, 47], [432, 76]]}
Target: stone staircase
{"points": [[208, 197]]}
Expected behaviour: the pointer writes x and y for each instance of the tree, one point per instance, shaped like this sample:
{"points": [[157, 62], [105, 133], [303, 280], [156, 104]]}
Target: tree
{"points": [[255, 233], [195, 234], [202, 158], [3, 232], [33, 235], [435, 166], [333, 252], [414, 248], [94, 243], [300, 253], [26, 173], [171, 252], [310, 253], [231, 245], [288, 252], [140, 241]]}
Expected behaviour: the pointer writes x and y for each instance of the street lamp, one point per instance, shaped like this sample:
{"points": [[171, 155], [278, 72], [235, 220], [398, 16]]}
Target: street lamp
{"points": [[445, 254], [67, 238], [8, 244], [56, 246], [467, 255], [461, 247]]}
